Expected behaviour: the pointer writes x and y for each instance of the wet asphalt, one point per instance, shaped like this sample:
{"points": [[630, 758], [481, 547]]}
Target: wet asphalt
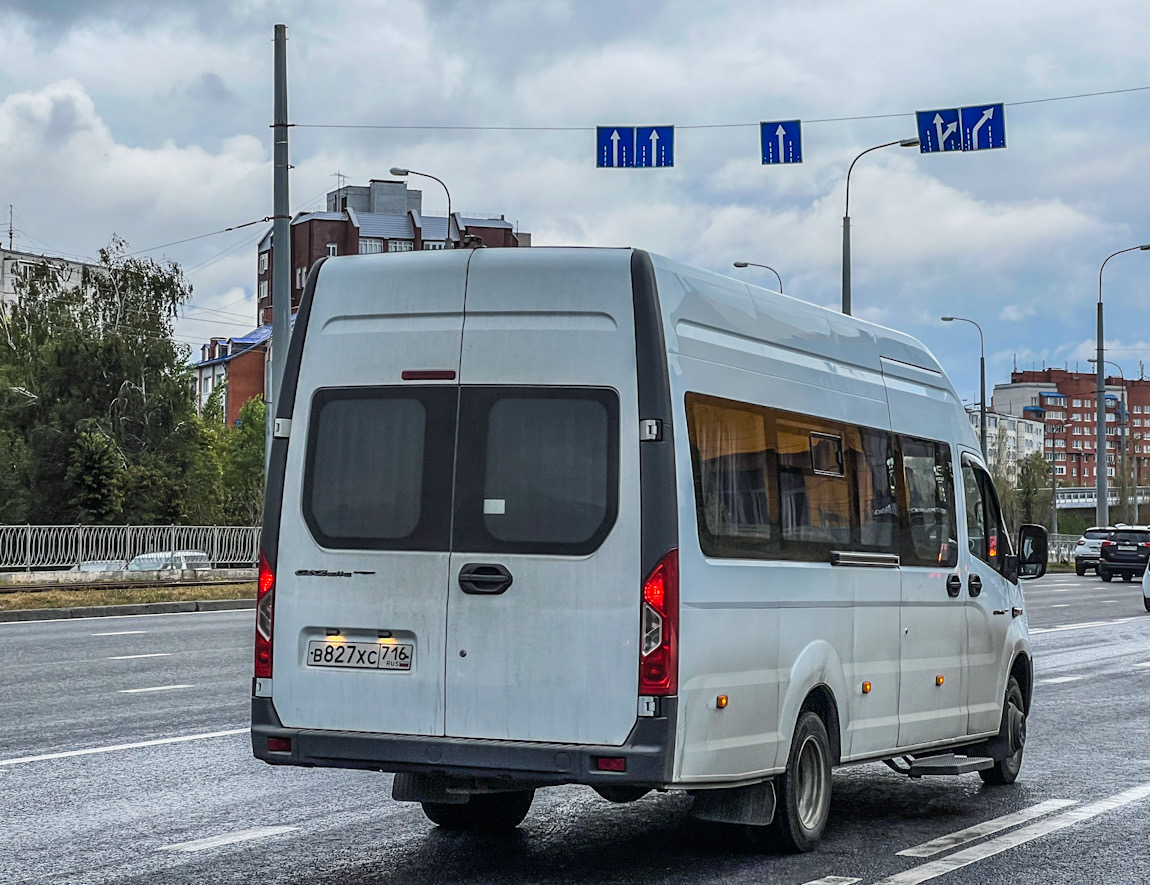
{"points": [[140, 814]]}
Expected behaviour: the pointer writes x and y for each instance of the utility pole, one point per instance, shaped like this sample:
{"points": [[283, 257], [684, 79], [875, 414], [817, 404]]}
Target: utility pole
{"points": [[9, 227], [281, 238]]}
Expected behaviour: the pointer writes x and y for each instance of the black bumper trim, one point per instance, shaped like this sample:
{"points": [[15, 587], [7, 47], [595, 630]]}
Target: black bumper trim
{"points": [[648, 751]]}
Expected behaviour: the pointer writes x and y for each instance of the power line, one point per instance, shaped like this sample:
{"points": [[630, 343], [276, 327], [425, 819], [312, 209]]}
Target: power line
{"points": [[453, 128]]}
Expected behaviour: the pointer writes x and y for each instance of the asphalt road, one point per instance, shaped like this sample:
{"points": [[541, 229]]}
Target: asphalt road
{"points": [[202, 810]]}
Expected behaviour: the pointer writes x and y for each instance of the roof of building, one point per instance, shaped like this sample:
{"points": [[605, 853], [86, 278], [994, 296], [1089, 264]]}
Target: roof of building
{"points": [[247, 341], [388, 227]]}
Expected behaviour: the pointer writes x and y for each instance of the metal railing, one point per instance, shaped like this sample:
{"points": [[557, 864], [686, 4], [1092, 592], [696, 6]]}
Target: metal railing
{"points": [[28, 547]]}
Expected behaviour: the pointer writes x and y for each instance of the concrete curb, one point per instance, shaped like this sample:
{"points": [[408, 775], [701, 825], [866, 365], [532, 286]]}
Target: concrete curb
{"points": [[107, 611]]}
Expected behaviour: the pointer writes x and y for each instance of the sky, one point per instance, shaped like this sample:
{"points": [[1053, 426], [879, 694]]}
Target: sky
{"points": [[151, 121]]}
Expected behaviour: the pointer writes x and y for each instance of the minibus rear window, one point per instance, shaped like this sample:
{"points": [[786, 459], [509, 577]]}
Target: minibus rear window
{"points": [[378, 472], [538, 469]]}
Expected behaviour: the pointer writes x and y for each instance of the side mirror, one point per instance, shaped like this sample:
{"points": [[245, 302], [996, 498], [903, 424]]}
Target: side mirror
{"points": [[1032, 551]]}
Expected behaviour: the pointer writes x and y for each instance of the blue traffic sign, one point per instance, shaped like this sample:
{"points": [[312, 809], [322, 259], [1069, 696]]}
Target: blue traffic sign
{"points": [[782, 141], [655, 146], [616, 147], [938, 131], [983, 126]]}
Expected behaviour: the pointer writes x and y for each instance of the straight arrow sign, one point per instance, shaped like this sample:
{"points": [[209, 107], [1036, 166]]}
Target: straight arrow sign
{"points": [[781, 142], [615, 147], [655, 146]]}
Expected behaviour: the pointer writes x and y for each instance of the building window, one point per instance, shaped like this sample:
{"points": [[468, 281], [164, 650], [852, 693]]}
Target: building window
{"points": [[332, 249], [263, 290], [1060, 471], [1034, 400], [370, 245], [263, 262], [1137, 410], [400, 246], [432, 245]]}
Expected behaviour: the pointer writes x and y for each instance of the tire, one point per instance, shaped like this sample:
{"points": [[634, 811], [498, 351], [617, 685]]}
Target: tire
{"points": [[1013, 729], [1079, 569], [1105, 574], [483, 813], [804, 789], [1146, 602]]}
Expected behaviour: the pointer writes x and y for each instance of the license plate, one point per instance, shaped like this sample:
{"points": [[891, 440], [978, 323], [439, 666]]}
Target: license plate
{"points": [[359, 655], [1127, 547]]}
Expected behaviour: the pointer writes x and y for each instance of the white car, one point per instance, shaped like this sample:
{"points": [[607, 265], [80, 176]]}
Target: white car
{"points": [[182, 560], [1088, 549], [1146, 589]]}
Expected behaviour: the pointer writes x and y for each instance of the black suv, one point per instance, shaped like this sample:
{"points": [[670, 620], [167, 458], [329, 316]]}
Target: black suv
{"points": [[1124, 553]]}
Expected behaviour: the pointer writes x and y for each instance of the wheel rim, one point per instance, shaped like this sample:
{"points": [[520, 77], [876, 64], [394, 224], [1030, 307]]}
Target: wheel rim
{"points": [[811, 784], [1017, 731]]}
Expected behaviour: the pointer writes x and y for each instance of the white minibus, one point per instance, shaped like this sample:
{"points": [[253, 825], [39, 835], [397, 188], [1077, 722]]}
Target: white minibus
{"points": [[592, 516]]}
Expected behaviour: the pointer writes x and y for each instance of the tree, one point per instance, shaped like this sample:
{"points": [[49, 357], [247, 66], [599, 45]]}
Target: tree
{"points": [[243, 472], [97, 406], [1033, 493]]}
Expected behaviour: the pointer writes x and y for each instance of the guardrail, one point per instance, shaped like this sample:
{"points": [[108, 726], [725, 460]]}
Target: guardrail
{"points": [[28, 547]]}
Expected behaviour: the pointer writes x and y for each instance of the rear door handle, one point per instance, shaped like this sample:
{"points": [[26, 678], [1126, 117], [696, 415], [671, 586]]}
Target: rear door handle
{"points": [[485, 578], [974, 585], [953, 586]]}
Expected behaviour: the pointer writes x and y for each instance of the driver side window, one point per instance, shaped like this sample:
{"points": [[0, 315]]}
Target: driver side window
{"points": [[987, 536]]}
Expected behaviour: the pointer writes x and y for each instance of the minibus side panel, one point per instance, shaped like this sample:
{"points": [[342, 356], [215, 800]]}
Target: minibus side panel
{"points": [[766, 632]]}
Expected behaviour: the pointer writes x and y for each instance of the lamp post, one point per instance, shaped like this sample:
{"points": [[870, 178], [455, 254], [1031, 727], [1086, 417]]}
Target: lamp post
{"points": [[1103, 509], [981, 381], [396, 170], [905, 142], [767, 266]]}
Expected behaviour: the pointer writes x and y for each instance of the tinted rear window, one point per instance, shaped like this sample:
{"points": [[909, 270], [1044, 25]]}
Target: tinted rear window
{"points": [[1130, 537], [1096, 535], [538, 469], [379, 467]]}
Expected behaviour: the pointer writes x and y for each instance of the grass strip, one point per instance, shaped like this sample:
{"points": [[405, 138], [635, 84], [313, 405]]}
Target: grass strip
{"points": [[124, 596]]}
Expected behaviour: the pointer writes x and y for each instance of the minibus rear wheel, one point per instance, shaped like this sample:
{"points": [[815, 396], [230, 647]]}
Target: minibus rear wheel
{"points": [[483, 813], [1013, 729], [804, 790]]}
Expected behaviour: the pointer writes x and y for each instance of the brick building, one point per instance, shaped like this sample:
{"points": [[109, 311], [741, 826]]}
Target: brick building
{"points": [[1065, 403], [383, 216], [239, 360]]}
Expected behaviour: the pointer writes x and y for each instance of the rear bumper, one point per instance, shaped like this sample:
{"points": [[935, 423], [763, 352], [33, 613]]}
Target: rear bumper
{"points": [[1123, 567], [648, 751]]}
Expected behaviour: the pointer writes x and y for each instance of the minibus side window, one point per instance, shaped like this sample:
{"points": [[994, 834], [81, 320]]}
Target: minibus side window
{"points": [[878, 498], [815, 505], [928, 525], [734, 465]]}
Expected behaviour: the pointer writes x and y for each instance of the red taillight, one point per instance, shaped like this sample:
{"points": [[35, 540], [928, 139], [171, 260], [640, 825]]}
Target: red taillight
{"points": [[659, 629], [1107, 543], [265, 600]]}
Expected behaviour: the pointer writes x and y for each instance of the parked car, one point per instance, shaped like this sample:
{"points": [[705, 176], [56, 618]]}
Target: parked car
{"points": [[1124, 553], [101, 565], [170, 559], [1086, 550]]}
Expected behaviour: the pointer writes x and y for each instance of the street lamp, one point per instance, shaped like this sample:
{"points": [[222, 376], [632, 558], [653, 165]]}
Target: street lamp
{"points": [[767, 266], [396, 170], [981, 380], [905, 142], [1103, 509]]}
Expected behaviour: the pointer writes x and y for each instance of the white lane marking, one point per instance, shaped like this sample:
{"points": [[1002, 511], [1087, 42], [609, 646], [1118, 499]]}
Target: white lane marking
{"points": [[121, 633], [232, 838], [1083, 626], [1061, 605], [961, 837], [157, 654], [833, 880], [115, 748], [1143, 664], [975, 853], [156, 688], [1058, 680]]}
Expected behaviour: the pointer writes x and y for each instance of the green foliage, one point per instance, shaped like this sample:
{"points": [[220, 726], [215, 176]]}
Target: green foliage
{"points": [[97, 406], [243, 466], [1034, 490]]}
